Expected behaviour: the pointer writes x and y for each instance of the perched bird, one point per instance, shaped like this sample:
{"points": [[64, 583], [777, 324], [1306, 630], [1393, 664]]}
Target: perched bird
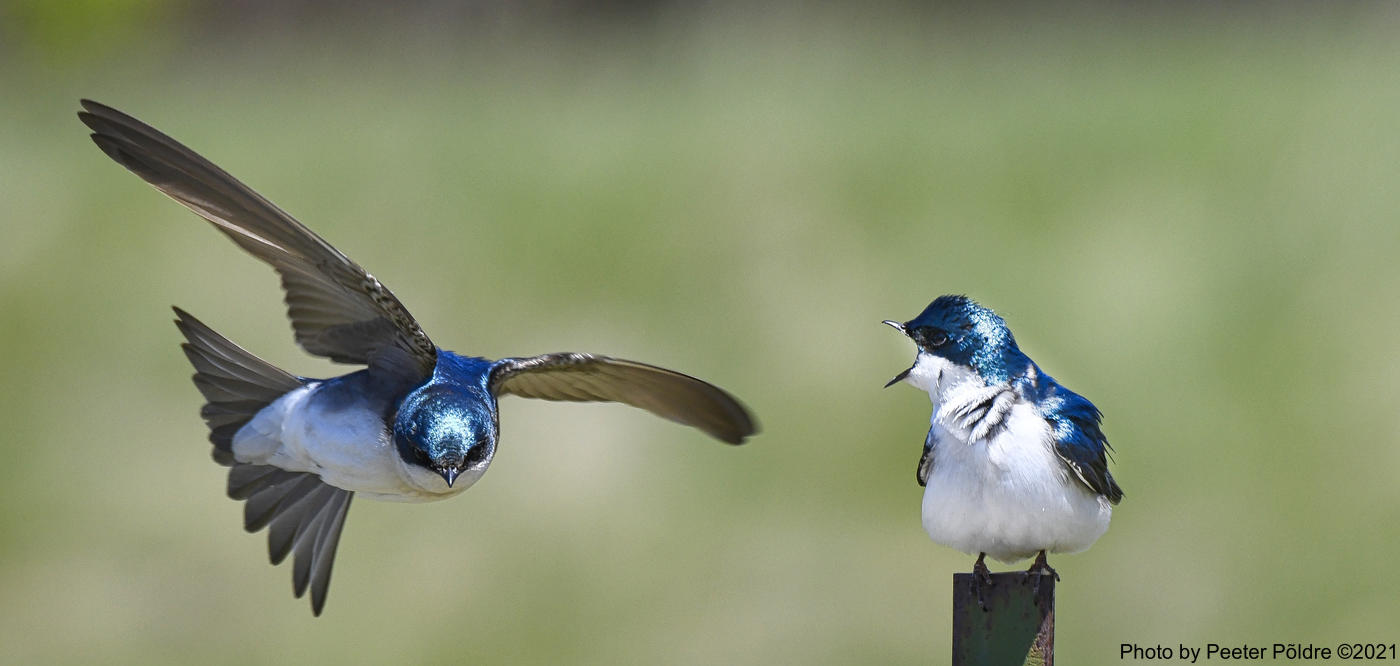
{"points": [[1014, 464], [418, 424]]}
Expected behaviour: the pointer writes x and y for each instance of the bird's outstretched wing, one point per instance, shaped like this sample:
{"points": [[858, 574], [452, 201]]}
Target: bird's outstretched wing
{"points": [[337, 309], [588, 378]]}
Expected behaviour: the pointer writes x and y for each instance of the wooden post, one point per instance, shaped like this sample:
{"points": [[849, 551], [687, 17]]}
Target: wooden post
{"points": [[1012, 624]]}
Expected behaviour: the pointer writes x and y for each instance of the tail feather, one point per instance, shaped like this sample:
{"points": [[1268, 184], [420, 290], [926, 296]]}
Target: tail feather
{"points": [[236, 383], [305, 514]]}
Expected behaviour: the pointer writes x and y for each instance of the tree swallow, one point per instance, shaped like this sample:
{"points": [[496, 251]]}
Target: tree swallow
{"points": [[418, 424], [1014, 464]]}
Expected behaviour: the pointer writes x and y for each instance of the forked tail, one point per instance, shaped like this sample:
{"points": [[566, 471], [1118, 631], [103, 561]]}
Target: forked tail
{"points": [[303, 514], [236, 383]]}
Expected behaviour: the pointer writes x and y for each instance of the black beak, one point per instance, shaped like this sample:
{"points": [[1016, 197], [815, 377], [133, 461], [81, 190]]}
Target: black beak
{"points": [[899, 377], [449, 475]]}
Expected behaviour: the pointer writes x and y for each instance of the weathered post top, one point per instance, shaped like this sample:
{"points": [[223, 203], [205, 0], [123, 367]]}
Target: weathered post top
{"points": [[1007, 622]]}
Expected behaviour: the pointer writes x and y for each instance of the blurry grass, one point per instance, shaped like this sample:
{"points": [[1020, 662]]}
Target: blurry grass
{"points": [[1190, 219]]}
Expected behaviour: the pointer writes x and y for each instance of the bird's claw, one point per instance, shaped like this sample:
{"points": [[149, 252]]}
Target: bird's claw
{"points": [[1040, 567], [981, 579], [980, 569]]}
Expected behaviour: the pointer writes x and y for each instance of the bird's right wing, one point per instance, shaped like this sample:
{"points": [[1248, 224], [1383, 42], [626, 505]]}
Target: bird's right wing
{"points": [[338, 310], [926, 460]]}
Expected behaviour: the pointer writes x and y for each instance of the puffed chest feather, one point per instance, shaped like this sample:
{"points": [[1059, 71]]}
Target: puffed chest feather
{"points": [[1006, 492]]}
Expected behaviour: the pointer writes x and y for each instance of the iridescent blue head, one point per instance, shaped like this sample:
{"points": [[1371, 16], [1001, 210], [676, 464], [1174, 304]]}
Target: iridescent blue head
{"points": [[958, 329], [448, 426]]}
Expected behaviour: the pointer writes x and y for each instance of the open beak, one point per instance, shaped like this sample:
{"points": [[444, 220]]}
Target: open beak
{"points": [[899, 377]]}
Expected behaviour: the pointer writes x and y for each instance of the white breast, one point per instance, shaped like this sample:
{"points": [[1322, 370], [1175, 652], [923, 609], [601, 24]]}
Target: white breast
{"points": [[348, 446], [1007, 495]]}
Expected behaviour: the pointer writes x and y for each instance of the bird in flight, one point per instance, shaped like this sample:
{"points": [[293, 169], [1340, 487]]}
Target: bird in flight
{"points": [[417, 424]]}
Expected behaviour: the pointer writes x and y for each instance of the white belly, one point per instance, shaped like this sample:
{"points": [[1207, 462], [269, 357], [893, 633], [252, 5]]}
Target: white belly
{"points": [[1008, 495], [348, 446]]}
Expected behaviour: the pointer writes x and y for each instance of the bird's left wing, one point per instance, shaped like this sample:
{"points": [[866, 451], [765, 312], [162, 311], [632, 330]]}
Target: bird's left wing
{"points": [[338, 310], [1080, 442], [589, 378]]}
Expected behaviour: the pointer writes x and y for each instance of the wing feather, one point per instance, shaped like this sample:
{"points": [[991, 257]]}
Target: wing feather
{"points": [[338, 310], [589, 378], [1078, 437]]}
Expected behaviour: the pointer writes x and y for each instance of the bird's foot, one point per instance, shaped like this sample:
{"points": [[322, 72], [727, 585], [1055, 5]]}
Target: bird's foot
{"points": [[979, 569], [1041, 567], [1038, 569], [981, 579]]}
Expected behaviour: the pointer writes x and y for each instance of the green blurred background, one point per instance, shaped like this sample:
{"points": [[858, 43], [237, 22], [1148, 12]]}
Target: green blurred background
{"points": [[1188, 215]]}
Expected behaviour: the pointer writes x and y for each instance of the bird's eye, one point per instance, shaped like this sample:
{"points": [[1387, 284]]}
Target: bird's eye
{"points": [[930, 337]]}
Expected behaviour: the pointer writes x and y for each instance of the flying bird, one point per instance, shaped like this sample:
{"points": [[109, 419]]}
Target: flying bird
{"points": [[417, 424], [1014, 463]]}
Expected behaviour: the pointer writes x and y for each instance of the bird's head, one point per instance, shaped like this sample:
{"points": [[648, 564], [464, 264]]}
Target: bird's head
{"points": [[447, 430], [956, 332]]}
